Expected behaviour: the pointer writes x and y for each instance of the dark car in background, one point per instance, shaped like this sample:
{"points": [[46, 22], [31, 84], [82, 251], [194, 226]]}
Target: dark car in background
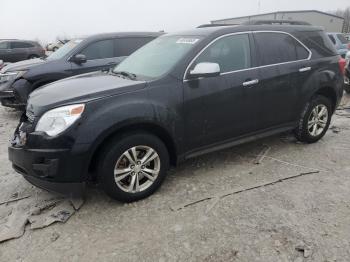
{"points": [[17, 50], [178, 97], [94, 53]]}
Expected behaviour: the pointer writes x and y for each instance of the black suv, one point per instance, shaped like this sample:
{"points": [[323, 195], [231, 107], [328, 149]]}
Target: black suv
{"points": [[97, 52], [12, 50], [180, 96]]}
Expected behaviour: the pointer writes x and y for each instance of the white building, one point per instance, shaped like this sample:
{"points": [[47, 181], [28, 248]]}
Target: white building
{"points": [[330, 23]]}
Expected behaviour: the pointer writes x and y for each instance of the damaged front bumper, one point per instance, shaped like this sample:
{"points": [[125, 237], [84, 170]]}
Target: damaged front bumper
{"points": [[48, 163]]}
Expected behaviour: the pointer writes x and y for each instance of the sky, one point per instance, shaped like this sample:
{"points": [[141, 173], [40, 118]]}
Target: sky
{"points": [[44, 20]]}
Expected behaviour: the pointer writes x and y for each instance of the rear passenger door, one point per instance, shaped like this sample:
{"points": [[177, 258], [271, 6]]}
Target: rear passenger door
{"points": [[283, 65], [19, 51]]}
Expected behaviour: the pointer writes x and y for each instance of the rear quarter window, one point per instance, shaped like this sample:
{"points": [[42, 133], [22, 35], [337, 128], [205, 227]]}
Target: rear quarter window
{"points": [[318, 42], [275, 48]]}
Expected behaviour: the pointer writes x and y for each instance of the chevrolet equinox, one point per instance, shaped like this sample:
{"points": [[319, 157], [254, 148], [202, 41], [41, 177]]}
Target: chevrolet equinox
{"points": [[180, 96]]}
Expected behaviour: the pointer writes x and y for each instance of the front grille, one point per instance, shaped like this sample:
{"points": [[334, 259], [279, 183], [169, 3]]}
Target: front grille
{"points": [[30, 116]]}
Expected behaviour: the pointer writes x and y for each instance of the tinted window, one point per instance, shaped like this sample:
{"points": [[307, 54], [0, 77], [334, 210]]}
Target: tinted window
{"points": [[318, 42], [231, 53], [332, 39], [342, 39], [99, 50], [126, 46], [4, 45], [275, 48], [21, 45]]}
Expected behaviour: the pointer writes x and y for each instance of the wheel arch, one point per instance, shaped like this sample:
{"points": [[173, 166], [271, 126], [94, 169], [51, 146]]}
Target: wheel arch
{"points": [[328, 92], [112, 133]]}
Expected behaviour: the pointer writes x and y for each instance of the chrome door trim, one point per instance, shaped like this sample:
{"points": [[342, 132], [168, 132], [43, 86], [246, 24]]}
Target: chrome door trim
{"points": [[251, 68]]}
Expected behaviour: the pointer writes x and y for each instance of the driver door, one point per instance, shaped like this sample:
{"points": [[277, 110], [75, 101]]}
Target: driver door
{"points": [[220, 108]]}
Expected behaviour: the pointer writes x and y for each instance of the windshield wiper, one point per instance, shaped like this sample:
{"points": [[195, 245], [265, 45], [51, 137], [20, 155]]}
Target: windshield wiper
{"points": [[125, 73]]}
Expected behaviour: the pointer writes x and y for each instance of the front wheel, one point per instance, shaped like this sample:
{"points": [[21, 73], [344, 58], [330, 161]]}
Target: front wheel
{"points": [[133, 167], [315, 120]]}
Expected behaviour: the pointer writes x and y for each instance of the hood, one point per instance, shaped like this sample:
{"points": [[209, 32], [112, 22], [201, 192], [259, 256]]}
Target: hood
{"points": [[80, 89], [23, 65]]}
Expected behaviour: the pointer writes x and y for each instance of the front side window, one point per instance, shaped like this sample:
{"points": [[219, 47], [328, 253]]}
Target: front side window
{"points": [[64, 50], [276, 48], [158, 57], [99, 50], [232, 53], [4, 45]]}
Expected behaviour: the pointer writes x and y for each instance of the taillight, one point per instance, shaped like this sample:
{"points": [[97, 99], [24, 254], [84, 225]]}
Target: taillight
{"points": [[342, 64]]}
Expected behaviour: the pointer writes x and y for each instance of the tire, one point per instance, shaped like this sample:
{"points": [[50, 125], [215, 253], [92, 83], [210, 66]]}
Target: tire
{"points": [[308, 135], [113, 159]]}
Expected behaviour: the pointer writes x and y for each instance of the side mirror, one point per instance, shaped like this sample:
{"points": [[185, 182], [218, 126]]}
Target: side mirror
{"points": [[205, 70], [79, 59]]}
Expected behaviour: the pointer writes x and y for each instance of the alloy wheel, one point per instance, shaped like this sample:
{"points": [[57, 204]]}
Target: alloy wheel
{"points": [[318, 120], [137, 169]]}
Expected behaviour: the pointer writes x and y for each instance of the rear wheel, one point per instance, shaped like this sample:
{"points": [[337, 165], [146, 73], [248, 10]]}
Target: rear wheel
{"points": [[133, 166], [315, 120]]}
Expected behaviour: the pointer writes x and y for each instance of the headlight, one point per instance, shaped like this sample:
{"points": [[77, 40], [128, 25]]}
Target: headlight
{"points": [[57, 120], [5, 77]]}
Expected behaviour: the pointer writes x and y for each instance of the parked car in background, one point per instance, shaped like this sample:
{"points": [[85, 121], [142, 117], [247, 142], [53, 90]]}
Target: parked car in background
{"points": [[347, 73], [347, 36], [98, 52], [18, 50], [54, 46], [180, 96], [340, 42]]}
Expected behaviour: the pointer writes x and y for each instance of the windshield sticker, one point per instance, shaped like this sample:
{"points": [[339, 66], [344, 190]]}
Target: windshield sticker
{"points": [[189, 41]]}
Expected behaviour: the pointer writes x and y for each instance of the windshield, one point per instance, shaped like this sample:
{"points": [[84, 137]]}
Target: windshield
{"points": [[158, 57], [65, 49]]}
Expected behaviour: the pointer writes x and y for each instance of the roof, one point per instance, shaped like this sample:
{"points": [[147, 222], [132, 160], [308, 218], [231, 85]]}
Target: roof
{"points": [[218, 30], [124, 34], [279, 12]]}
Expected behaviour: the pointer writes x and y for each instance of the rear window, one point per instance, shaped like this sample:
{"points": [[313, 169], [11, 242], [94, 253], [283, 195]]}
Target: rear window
{"points": [[332, 39], [126, 46], [276, 48], [342, 39], [318, 42]]}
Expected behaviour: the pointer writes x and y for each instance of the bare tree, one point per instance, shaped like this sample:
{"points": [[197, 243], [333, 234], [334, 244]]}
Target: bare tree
{"points": [[345, 13]]}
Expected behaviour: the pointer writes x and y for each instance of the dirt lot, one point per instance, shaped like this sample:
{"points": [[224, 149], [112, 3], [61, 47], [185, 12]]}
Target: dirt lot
{"points": [[248, 213]]}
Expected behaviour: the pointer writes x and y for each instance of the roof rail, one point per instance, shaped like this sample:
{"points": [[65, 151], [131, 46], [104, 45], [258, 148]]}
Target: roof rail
{"points": [[214, 25], [275, 22]]}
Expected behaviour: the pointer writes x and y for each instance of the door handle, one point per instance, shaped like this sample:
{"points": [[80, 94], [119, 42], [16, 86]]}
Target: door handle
{"points": [[304, 69], [251, 82]]}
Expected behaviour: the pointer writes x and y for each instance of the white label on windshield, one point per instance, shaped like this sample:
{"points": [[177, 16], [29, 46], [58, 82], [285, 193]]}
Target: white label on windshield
{"points": [[190, 41]]}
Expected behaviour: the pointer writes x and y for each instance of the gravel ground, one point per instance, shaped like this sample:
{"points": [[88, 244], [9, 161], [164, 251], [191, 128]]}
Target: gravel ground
{"points": [[262, 217]]}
